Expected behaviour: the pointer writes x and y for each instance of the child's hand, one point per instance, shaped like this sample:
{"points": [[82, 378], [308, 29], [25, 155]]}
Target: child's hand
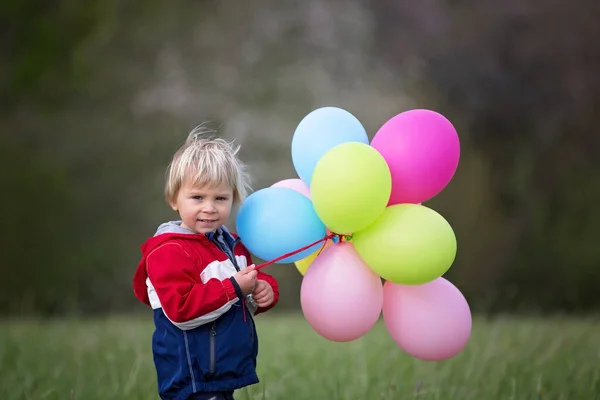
{"points": [[246, 279], [263, 293]]}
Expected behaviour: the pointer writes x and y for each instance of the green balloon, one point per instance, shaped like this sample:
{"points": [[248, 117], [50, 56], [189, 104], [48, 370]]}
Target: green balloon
{"points": [[350, 187], [409, 244]]}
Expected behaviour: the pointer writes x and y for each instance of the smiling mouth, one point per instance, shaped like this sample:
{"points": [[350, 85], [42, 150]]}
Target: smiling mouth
{"points": [[208, 220]]}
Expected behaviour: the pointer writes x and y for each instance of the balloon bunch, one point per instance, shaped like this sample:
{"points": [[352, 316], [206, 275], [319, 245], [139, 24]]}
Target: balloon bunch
{"points": [[354, 216]]}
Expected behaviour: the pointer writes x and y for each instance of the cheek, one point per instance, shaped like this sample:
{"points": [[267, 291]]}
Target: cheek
{"points": [[190, 208], [225, 208]]}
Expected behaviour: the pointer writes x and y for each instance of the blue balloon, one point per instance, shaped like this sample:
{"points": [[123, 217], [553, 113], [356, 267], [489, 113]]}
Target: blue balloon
{"points": [[320, 131], [275, 221]]}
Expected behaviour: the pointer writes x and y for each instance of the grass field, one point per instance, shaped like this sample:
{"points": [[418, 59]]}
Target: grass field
{"points": [[505, 359]]}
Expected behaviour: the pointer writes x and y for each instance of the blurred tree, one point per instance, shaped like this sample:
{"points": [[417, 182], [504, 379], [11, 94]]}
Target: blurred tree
{"points": [[521, 77], [37, 235], [40, 73], [71, 72]]}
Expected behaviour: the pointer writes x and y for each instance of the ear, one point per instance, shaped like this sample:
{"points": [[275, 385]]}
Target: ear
{"points": [[174, 206]]}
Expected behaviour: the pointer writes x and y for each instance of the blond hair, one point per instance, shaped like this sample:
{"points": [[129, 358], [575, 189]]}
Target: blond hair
{"points": [[208, 161]]}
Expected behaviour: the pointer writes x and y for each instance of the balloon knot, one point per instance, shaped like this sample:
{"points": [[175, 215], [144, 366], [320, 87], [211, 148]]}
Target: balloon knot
{"points": [[338, 237]]}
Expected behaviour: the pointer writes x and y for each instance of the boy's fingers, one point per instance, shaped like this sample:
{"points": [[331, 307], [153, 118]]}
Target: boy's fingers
{"points": [[253, 273], [264, 302], [259, 296], [260, 290]]}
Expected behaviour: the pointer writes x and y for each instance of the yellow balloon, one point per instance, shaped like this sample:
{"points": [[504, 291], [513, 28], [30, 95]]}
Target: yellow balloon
{"points": [[409, 244], [350, 187], [302, 265]]}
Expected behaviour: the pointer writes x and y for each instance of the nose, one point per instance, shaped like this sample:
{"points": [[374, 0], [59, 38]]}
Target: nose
{"points": [[209, 207]]}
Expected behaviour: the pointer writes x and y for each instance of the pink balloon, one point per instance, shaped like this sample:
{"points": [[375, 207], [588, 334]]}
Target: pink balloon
{"points": [[431, 322], [341, 296], [295, 184], [422, 150]]}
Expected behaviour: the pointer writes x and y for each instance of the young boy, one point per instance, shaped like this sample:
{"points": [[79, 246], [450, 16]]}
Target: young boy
{"points": [[200, 281]]}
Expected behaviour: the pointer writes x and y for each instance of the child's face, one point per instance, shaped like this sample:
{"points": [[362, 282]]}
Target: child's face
{"points": [[203, 209]]}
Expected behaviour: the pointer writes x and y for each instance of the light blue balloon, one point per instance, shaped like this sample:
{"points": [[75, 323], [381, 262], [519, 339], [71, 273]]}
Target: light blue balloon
{"points": [[275, 221], [320, 131]]}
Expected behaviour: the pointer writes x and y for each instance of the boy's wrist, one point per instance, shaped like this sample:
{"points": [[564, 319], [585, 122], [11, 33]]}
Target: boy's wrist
{"points": [[236, 288], [231, 288]]}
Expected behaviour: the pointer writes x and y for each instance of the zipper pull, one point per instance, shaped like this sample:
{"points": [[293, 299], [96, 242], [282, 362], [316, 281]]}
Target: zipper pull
{"points": [[213, 332]]}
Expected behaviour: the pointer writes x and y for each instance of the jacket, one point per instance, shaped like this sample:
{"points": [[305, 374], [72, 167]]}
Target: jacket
{"points": [[205, 338]]}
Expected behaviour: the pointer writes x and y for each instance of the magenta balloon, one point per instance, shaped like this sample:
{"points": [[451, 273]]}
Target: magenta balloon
{"points": [[341, 297], [431, 322], [422, 149], [295, 184]]}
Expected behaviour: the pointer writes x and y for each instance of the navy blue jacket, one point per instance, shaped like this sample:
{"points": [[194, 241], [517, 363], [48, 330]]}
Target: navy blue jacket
{"points": [[220, 356], [205, 339]]}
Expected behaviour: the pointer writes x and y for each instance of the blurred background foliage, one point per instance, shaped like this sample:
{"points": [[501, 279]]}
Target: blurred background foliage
{"points": [[97, 95]]}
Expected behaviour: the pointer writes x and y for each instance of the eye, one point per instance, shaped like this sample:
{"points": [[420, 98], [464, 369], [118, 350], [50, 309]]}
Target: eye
{"points": [[197, 197], [222, 198]]}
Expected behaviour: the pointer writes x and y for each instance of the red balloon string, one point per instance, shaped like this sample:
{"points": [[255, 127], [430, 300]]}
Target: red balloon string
{"points": [[291, 253]]}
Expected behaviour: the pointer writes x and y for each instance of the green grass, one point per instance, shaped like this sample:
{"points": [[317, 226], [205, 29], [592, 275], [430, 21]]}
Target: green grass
{"points": [[505, 359]]}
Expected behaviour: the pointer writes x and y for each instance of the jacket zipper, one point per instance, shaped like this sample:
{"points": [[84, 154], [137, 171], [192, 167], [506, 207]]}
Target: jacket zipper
{"points": [[213, 334], [252, 329], [251, 324]]}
